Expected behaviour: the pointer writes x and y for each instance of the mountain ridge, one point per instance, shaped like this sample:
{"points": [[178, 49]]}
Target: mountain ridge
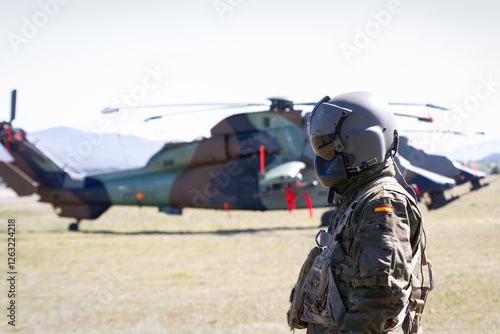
{"points": [[94, 151]]}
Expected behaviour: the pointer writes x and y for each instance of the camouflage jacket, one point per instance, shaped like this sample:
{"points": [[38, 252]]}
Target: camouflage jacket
{"points": [[372, 268]]}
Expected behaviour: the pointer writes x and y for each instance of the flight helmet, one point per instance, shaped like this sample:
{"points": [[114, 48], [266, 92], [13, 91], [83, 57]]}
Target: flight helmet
{"points": [[350, 134]]}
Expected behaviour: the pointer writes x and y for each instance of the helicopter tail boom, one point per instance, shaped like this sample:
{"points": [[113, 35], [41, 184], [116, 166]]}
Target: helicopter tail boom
{"points": [[16, 179]]}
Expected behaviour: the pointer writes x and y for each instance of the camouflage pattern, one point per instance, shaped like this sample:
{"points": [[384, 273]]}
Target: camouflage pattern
{"points": [[219, 172], [372, 269]]}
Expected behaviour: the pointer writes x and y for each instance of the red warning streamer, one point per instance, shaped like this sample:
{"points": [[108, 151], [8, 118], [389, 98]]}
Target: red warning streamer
{"points": [[262, 161], [290, 197], [9, 137], [308, 202]]}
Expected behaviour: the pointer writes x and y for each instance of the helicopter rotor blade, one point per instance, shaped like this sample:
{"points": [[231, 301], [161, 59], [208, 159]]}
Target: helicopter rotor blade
{"points": [[13, 99], [223, 106], [306, 103], [191, 112], [459, 133], [420, 118], [428, 105], [230, 105]]}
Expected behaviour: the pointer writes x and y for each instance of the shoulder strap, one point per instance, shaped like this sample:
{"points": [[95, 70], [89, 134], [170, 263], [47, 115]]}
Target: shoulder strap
{"points": [[329, 240], [326, 239]]}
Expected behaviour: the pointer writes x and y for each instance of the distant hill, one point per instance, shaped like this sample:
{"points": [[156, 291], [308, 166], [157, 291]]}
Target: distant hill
{"points": [[494, 158], [94, 152], [476, 152]]}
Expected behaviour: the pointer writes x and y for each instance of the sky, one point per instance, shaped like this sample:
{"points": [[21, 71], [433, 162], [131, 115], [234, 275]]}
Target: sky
{"points": [[69, 59]]}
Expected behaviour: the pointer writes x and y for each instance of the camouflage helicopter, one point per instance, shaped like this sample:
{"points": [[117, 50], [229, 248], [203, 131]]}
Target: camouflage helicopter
{"points": [[417, 164], [251, 161], [442, 165], [424, 181]]}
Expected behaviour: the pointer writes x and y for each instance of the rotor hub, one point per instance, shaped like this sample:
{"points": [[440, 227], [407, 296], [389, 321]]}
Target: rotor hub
{"points": [[280, 104]]}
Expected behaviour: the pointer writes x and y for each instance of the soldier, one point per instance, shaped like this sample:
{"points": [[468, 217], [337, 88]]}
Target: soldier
{"points": [[359, 279]]}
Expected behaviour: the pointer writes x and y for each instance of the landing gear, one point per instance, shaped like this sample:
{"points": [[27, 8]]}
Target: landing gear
{"points": [[477, 185], [438, 200], [74, 226]]}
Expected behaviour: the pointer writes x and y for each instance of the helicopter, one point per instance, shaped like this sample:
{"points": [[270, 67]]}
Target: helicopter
{"points": [[442, 165], [423, 181], [251, 161]]}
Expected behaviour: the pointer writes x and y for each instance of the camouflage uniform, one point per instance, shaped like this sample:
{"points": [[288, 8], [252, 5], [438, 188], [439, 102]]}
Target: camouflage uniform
{"points": [[372, 268]]}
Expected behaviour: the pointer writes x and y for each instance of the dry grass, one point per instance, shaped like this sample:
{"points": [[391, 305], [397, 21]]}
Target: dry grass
{"points": [[140, 271], [463, 245]]}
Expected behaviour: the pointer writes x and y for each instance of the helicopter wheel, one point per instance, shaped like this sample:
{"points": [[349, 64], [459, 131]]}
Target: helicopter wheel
{"points": [[74, 226]]}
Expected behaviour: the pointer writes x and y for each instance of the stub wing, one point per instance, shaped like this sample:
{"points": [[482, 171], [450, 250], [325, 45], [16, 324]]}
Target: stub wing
{"points": [[275, 181]]}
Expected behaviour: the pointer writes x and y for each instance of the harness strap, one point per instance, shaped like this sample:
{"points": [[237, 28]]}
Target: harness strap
{"points": [[336, 302]]}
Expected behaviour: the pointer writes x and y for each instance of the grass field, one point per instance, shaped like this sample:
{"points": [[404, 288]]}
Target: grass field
{"points": [[140, 271]]}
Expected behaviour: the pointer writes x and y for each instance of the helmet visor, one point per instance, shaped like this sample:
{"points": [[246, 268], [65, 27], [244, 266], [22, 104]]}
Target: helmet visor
{"points": [[326, 117], [323, 146], [323, 127]]}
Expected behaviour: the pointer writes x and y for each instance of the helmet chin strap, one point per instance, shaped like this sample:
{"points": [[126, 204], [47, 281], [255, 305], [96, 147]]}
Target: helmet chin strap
{"points": [[362, 166], [350, 171]]}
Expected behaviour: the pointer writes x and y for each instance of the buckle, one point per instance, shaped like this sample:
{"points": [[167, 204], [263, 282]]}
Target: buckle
{"points": [[316, 239]]}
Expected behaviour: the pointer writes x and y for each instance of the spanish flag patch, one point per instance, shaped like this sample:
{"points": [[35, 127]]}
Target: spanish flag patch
{"points": [[383, 209]]}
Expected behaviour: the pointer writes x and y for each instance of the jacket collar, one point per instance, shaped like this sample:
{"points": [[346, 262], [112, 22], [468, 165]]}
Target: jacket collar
{"points": [[357, 182]]}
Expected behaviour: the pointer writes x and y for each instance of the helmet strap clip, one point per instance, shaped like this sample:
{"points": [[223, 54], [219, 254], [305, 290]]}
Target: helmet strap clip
{"points": [[361, 167]]}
